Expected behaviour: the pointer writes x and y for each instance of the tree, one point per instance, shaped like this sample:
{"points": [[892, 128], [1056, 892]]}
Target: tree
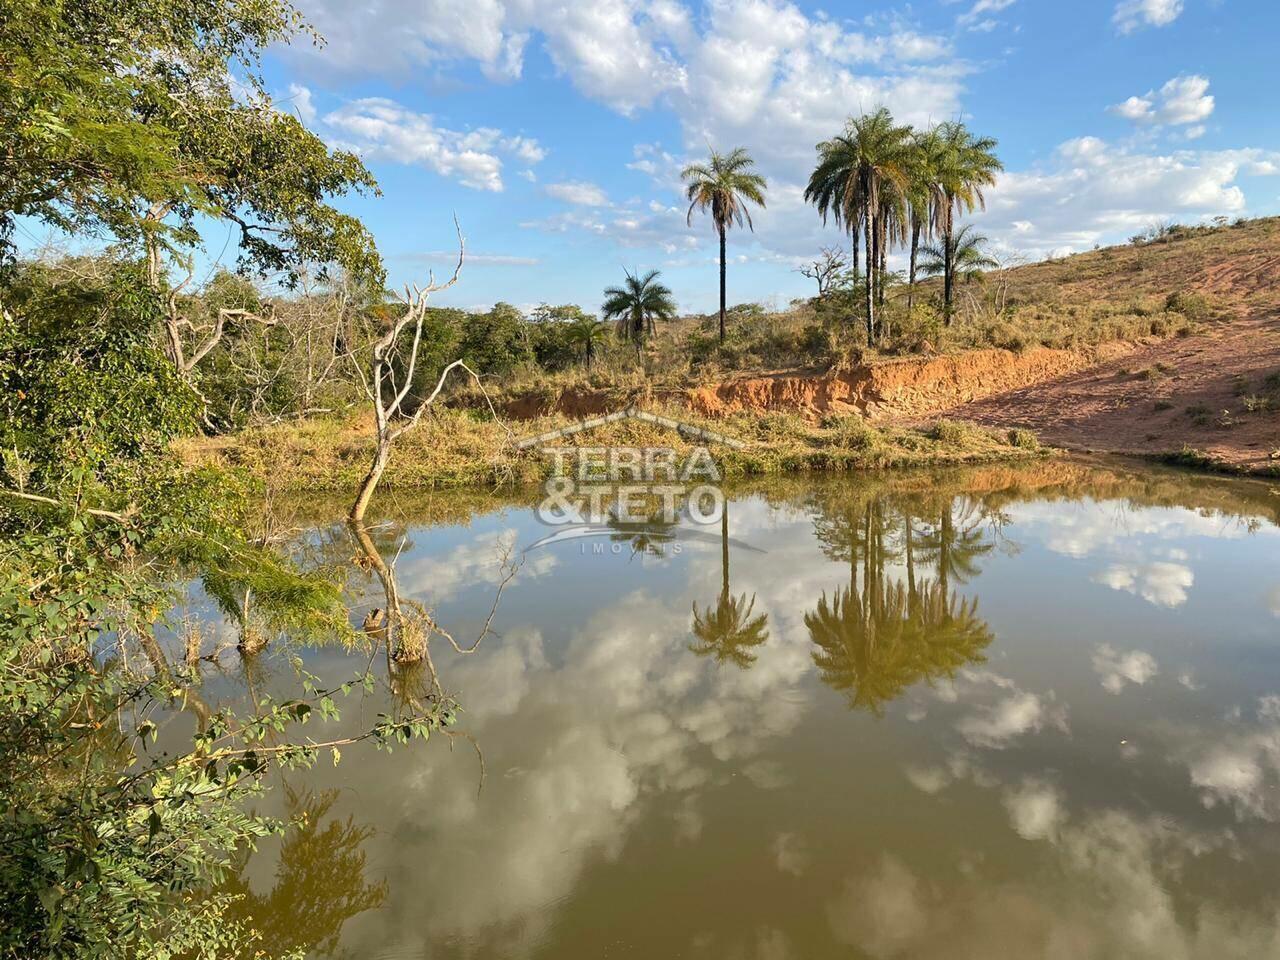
{"points": [[393, 361], [135, 118], [856, 179], [964, 250], [586, 332], [965, 164], [636, 304], [923, 197], [724, 185], [826, 271]]}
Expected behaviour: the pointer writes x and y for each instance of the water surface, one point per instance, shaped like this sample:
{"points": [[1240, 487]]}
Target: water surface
{"points": [[1001, 712]]}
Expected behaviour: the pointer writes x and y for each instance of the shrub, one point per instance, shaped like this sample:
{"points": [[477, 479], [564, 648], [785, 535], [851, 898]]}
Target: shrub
{"points": [[1024, 439], [1193, 306], [954, 432]]}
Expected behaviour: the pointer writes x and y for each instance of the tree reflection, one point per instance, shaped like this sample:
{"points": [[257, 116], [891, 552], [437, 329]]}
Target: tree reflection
{"points": [[728, 631], [875, 638], [319, 882]]}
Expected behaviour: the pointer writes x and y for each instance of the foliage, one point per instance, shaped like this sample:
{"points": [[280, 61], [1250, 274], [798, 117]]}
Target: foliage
{"points": [[136, 117], [636, 304], [83, 390]]}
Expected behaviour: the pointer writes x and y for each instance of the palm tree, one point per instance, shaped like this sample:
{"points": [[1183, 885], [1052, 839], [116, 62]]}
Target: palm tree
{"points": [[724, 185], [856, 173], [586, 332], [923, 197], [963, 250], [965, 165], [636, 304]]}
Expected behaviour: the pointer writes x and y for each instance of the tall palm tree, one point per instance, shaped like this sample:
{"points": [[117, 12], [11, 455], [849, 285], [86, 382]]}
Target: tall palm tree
{"points": [[724, 185], [966, 164], [965, 251], [636, 304], [923, 196], [854, 172], [586, 332]]}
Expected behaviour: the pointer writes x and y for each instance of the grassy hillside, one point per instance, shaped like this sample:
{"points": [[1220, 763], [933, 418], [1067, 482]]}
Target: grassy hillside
{"points": [[1174, 283]]}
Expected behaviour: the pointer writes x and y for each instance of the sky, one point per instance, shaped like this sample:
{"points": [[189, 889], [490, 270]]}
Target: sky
{"points": [[556, 131]]}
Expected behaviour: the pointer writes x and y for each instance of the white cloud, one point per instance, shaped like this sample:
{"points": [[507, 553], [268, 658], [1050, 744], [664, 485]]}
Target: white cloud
{"points": [[608, 49], [1035, 809], [1117, 669], [382, 129], [976, 17], [999, 725], [1162, 583], [1182, 100], [1135, 108], [1132, 15], [1093, 191], [579, 193], [299, 100]]}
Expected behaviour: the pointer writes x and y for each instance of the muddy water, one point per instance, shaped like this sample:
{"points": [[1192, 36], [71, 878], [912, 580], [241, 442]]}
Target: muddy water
{"points": [[999, 713]]}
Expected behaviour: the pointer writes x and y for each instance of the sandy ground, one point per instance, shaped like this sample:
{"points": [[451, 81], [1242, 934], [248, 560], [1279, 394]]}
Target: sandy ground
{"points": [[1159, 398]]}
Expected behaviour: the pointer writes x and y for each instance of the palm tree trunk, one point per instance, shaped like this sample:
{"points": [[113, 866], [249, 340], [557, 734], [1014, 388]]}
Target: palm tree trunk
{"points": [[724, 549], [854, 232], [911, 274], [882, 249], [869, 227], [948, 267], [722, 271]]}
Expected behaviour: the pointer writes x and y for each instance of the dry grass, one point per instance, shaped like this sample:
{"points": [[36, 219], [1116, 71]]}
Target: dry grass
{"points": [[457, 449]]}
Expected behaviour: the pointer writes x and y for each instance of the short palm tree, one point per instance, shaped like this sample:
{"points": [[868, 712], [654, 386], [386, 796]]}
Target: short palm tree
{"points": [[854, 173], [636, 304], [964, 250], [586, 332], [724, 185], [965, 165]]}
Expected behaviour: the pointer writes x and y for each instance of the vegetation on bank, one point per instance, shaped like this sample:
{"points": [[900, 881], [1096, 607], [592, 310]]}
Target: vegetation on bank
{"points": [[458, 448]]}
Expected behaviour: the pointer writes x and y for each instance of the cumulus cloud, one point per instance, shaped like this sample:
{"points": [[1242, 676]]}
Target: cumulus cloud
{"points": [[610, 50], [1118, 669], [382, 129], [1092, 191], [299, 101], [1035, 809], [1182, 100], [1162, 583], [1009, 719], [579, 193], [1131, 15]]}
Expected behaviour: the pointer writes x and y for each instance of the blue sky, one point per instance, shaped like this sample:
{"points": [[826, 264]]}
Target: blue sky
{"points": [[555, 130]]}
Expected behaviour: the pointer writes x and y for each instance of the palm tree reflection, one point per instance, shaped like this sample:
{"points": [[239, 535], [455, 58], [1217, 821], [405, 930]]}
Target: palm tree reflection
{"points": [[728, 631], [876, 638]]}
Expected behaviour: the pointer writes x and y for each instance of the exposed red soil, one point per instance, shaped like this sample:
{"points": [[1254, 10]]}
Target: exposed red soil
{"points": [[886, 388], [1115, 406]]}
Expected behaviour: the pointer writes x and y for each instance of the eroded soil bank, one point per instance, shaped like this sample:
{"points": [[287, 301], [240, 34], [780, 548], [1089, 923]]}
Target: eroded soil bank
{"points": [[889, 388]]}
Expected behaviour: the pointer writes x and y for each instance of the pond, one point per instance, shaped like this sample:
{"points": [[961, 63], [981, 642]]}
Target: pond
{"points": [[1013, 712]]}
